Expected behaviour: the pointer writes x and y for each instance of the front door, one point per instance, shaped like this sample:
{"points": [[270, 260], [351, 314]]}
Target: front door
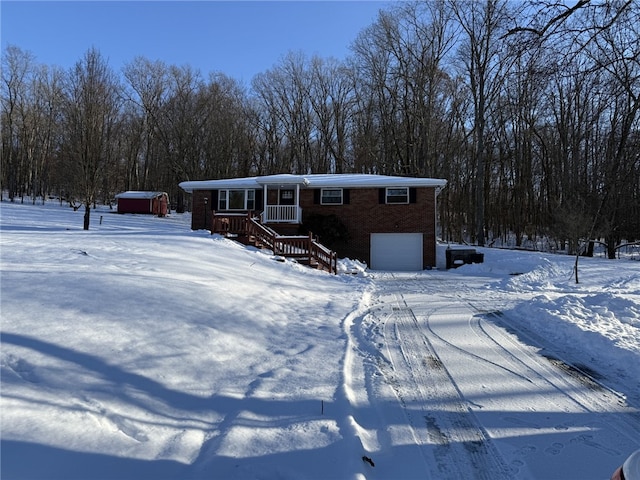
{"points": [[287, 197]]}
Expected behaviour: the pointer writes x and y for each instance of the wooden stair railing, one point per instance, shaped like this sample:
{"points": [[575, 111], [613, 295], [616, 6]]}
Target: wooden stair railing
{"points": [[302, 247]]}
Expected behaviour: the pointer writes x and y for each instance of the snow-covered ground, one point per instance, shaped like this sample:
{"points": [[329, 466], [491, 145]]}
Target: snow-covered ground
{"points": [[141, 349]]}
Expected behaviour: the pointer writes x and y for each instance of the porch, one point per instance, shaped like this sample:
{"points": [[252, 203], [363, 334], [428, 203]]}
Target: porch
{"points": [[281, 203]]}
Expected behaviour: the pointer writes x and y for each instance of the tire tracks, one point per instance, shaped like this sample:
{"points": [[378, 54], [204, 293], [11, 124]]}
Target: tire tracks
{"points": [[437, 410], [552, 371], [482, 400]]}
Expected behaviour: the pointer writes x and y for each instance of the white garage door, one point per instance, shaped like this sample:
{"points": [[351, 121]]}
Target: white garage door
{"points": [[396, 251]]}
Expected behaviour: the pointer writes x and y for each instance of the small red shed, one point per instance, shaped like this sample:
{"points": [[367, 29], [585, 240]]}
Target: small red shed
{"points": [[154, 203]]}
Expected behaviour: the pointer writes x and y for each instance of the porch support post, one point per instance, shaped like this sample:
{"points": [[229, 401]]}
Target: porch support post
{"points": [[265, 210], [298, 219]]}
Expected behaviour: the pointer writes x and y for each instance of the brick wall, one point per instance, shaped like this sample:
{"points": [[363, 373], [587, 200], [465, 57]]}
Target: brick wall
{"points": [[365, 215], [201, 213]]}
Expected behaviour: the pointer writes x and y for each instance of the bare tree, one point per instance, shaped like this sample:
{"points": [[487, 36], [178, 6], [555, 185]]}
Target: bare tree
{"points": [[483, 23], [44, 127], [17, 70], [148, 91], [419, 37], [378, 110], [91, 111], [332, 101], [267, 127], [615, 53], [284, 92], [30, 110]]}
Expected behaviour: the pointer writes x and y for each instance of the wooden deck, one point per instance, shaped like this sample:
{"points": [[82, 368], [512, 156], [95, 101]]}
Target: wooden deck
{"points": [[247, 229]]}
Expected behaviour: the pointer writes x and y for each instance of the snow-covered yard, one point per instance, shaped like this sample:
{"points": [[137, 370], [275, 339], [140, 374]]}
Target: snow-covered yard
{"points": [[141, 349]]}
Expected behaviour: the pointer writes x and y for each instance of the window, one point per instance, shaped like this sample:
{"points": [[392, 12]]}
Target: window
{"points": [[397, 195], [236, 199], [331, 196], [251, 199]]}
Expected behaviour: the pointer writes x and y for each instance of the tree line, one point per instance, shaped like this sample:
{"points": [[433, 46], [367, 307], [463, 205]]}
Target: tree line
{"points": [[529, 110]]}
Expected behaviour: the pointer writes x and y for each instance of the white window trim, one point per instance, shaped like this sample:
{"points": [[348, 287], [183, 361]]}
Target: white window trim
{"points": [[341, 202], [386, 197], [226, 195]]}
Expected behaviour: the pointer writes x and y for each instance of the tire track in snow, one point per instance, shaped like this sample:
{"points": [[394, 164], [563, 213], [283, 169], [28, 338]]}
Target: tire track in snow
{"points": [[529, 371], [533, 408], [423, 383], [551, 373], [545, 375], [563, 377]]}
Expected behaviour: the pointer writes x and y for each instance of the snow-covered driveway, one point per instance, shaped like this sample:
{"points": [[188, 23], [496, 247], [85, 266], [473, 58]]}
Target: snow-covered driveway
{"points": [[458, 389]]}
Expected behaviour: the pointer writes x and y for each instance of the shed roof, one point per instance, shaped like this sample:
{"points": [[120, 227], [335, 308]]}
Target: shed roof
{"points": [[351, 180], [140, 194]]}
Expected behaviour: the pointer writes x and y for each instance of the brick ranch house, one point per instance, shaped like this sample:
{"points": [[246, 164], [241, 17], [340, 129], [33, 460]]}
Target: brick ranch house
{"points": [[390, 221]]}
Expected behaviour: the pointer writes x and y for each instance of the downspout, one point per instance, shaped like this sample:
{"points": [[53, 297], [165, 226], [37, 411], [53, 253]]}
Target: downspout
{"points": [[438, 189], [437, 225]]}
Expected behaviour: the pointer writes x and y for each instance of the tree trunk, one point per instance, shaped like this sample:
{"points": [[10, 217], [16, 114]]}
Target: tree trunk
{"points": [[590, 249], [612, 243], [87, 215]]}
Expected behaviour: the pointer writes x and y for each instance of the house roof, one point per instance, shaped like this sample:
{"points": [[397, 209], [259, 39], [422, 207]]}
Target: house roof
{"points": [[351, 180], [140, 195]]}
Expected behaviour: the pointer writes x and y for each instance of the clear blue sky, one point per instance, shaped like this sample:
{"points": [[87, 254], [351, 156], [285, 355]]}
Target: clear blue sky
{"points": [[238, 38]]}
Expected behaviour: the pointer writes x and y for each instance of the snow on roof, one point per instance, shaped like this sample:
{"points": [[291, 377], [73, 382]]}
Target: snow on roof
{"points": [[335, 180], [139, 194]]}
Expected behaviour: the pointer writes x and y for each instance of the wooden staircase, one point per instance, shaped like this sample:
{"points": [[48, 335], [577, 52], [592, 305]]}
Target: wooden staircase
{"points": [[247, 229]]}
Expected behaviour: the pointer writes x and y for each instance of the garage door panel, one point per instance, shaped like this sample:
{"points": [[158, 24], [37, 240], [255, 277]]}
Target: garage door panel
{"points": [[396, 251]]}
